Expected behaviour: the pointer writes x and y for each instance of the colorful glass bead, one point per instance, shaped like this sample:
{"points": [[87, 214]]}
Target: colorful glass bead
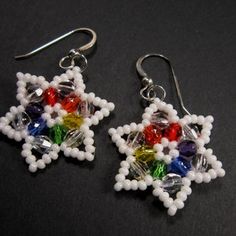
{"points": [[179, 166], [135, 139], [74, 138], [160, 120], [187, 149], [152, 134], [138, 169], [50, 96], [70, 103], [72, 121], [173, 132], [42, 144], [65, 88], [191, 132], [199, 163], [34, 110], [145, 154], [171, 183], [36, 126], [57, 133], [158, 169], [20, 121], [86, 109], [34, 93]]}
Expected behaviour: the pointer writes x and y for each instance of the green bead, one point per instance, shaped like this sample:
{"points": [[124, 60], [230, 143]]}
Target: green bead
{"points": [[57, 133], [158, 169], [145, 154]]}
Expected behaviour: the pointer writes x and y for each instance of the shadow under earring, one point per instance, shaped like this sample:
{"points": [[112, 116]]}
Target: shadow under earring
{"points": [[56, 116], [165, 152]]}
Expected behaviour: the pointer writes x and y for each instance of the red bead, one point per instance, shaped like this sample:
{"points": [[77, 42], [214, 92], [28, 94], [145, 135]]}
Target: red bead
{"points": [[173, 132], [152, 135], [70, 103], [50, 96]]}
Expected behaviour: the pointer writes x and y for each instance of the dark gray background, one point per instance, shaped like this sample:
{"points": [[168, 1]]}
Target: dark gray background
{"points": [[71, 198]]}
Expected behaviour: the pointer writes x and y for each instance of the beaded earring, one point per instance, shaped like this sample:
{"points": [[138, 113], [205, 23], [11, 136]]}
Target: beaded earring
{"points": [[165, 152], [56, 116]]}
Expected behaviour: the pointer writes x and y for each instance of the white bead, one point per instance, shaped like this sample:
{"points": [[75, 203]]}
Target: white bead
{"points": [[44, 85], [130, 159], [181, 195], [94, 120], [105, 112], [19, 75], [126, 129], [126, 184], [178, 203], [33, 167], [172, 210], [158, 147], [157, 191], [119, 177], [217, 165], [99, 115], [124, 171], [200, 120], [46, 158], [91, 96], [164, 196], [41, 164], [17, 136], [168, 202], [74, 152], [174, 153], [186, 181], [220, 172], [186, 189], [30, 159], [57, 107], [140, 127], [146, 122], [81, 156], [142, 185], [118, 186], [88, 141], [148, 179], [194, 119], [67, 151], [198, 178], [55, 148], [164, 142], [89, 156], [200, 142], [110, 106], [48, 109], [212, 173], [134, 184], [120, 131], [172, 144], [210, 119], [206, 177], [122, 148], [90, 148], [13, 110], [191, 175], [133, 126], [157, 183], [115, 137], [26, 153], [111, 131], [124, 164]]}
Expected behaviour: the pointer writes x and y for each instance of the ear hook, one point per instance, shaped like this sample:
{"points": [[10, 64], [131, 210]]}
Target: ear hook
{"points": [[148, 82], [73, 54]]}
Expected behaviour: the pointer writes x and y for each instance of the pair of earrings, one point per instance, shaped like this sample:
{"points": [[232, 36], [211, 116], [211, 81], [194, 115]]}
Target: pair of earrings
{"points": [[163, 151]]}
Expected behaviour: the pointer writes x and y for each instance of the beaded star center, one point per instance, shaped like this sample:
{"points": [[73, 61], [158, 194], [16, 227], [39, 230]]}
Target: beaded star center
{"points": [[54, 117], [166, 153]]}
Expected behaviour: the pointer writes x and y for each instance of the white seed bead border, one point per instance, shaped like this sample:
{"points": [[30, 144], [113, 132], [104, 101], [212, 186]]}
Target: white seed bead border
{"points": [[171, 204], [34, 163]]}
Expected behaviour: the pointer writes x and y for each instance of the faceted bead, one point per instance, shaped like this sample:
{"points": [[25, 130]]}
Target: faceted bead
{"points": [[34, 93], [57, 133], [36, 126], [86, 109], [20, 121], [145, 154], [70, 103], [171, 183], [34, 110], [138, 170], [179, 166], [152, 134], [72, 121], [191, 132], [50, 96], [173, 132], [199, 163], [74, 138], [135, 139], [65, 88], [159, 119], [158, 169], [42, 144], [187, 149]]}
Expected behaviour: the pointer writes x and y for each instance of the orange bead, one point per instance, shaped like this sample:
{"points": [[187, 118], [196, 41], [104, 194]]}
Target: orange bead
{"points": [[70, 103]]}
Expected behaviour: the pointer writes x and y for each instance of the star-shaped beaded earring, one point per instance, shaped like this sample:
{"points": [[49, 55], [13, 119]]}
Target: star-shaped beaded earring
{"points": [[56, 116], [165, 152]]}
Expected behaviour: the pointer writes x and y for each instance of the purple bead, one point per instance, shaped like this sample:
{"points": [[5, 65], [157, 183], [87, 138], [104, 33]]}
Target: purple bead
{"points": [[187, 149], [34, 110]]}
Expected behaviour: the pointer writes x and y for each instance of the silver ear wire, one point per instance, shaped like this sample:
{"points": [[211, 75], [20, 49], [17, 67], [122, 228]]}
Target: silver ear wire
{"points": [[150, 90], [73, 54]]}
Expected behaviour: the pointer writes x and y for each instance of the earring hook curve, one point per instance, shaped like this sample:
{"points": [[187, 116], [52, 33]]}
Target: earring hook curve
{"points": [[73, 54], [148, 82]]}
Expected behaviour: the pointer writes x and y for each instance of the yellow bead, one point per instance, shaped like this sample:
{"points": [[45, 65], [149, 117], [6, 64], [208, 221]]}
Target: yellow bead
{"points": [[72, 121], [145, 154]]}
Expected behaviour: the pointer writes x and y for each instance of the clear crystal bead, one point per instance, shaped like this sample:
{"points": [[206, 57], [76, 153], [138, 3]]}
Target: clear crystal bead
{"points": [[199, 163], [74, 138], [86, 109], [171, 183], [138, 170], [191, 132], [135, 139], [160, 120], [65, 88], [21, 121], [35, 93], [42, 144]]}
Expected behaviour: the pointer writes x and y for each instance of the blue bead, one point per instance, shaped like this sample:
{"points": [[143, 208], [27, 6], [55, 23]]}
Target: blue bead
{"points": [[34, 110], [179, 166], [36, 127]]}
